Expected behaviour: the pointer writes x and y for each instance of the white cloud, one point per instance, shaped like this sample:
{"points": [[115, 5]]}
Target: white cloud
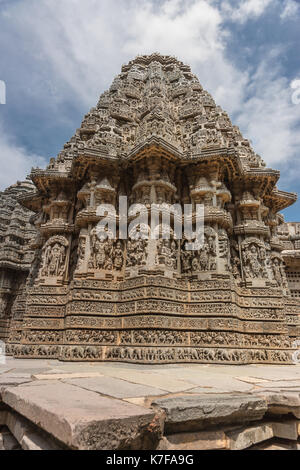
{"points": [[84, 44], [15, 161], [269, 117], [246, 9], [290, 10]]}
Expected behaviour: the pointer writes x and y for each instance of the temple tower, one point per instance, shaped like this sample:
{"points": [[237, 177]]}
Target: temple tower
{"points": [[157, 137]]}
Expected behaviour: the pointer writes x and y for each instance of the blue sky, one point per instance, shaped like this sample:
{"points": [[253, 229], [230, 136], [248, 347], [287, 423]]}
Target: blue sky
{"points": [[57, 56]]}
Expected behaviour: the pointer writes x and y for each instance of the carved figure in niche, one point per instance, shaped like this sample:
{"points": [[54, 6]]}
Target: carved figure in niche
{"points": [[251, 259], [136, 252], [186, 260], [254, 256], [34, 271], [236, 267], [81, 252], [101, 252], [278, 272], [118, 256], [3, 305], [167, 253], [207, 254], [223, 244], [204, 257], [54, 256], [195, 265], [56, 260]]}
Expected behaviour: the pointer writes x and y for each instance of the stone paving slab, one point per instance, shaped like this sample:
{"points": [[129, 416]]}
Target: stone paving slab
{"points": [[83, 419], [115, 387], [126, 406], [163, 382], [8, 381], [62, 376], [281, 384], [209, 379]]}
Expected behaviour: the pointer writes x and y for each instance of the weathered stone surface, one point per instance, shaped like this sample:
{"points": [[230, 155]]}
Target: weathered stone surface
{"points": [[157, 380], [282, 403], [246, 437], [187, 413], [286, 430], [277, 444], [85, 420], [8, 442], [3, 416], [214, 440], [28, 436], [290, 235]]}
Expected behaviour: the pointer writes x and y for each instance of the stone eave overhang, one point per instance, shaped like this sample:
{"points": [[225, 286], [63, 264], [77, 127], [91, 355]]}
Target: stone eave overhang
{"points": [[44, 179], [291, 257], [154, 146], [280, 200], [91, 158], [222, 155]]}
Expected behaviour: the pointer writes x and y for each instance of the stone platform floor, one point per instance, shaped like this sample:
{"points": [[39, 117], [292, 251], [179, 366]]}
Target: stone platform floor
{"points": [[50, 404]]}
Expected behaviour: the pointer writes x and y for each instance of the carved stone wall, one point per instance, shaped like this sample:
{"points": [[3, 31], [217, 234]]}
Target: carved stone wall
{"points": [[158, 138], [16, 255], [290, 236]]}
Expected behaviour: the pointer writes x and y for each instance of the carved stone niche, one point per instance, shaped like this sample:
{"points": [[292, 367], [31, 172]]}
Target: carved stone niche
{"points": [[81, 263], [254, 255], [167, 253], [54, 259], [137, 250], [278, 271], [200, 263], [97, 191], [153, 178], [3, 305], [106, 256]]}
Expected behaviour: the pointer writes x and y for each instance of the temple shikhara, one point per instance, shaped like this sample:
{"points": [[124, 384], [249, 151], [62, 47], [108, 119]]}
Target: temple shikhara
{"points": [[156, 136]]}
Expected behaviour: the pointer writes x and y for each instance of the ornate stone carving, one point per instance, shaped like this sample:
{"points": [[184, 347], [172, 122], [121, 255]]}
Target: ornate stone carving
{"points": [[54, 257], [158, 138]]}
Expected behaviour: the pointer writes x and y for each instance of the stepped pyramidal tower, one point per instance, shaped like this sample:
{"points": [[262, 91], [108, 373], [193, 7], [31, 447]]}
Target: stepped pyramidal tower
{"points": [[158, 138]]}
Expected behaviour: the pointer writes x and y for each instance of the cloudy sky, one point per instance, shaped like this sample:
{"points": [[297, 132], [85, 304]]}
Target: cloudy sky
{"points": [[57, 56]]}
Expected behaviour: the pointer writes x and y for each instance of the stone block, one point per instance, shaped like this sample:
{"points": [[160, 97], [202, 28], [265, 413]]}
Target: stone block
{"points": [[282, 402], [189, 413], [28, 436], [286, 430], [82, 419], [3, 415], [276, 444], [246, 437], [8, 442], [194, 441]]}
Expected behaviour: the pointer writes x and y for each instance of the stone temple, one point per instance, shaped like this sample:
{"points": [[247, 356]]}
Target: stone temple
{"points": [[156, 137]]}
